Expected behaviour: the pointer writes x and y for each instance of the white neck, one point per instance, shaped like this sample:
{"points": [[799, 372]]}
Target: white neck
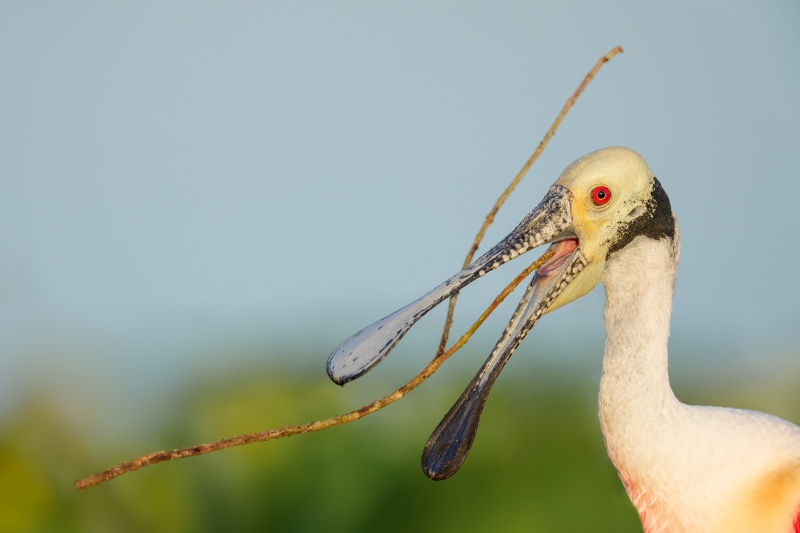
{"points": [[635, 395], [686, 468]]}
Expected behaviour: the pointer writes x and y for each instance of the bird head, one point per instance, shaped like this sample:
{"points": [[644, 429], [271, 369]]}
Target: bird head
{"points": [[613, 198]]}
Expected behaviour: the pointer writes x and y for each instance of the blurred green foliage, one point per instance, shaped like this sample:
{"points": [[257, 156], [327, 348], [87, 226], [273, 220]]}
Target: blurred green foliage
{"points": [[538, 463]]}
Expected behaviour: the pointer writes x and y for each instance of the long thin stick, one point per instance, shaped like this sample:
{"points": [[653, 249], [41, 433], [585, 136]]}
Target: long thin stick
{"points": [[319, 425], [437, 361], [448, 322]]}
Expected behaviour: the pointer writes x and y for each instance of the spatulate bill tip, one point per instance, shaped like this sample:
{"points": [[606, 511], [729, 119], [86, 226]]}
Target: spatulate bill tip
{"points": [[437, 468], [341, 376], [451, 441]]}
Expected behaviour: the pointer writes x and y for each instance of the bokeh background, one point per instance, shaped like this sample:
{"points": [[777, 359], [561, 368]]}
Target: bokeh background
{"points": [[199, 201]]}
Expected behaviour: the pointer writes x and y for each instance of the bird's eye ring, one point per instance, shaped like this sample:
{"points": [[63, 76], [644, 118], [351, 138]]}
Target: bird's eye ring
{"points": [[601, 195]]}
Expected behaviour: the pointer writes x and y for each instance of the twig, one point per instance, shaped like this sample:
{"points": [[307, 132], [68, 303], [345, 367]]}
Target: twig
{"points": [[160, 457], [441, 355], [448, 322]]}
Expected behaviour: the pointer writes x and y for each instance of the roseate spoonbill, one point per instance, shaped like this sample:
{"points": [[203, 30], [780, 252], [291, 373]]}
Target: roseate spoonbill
{"points": [[685, 468]]}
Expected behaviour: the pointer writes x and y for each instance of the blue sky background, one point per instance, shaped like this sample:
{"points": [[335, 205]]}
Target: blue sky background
{"points": [[184, 185]]}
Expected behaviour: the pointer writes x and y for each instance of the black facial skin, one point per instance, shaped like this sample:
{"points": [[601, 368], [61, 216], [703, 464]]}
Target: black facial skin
{"points": [[657, 223]]}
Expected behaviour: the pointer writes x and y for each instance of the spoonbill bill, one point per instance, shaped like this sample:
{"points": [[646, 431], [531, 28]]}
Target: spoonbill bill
{"points": [[687, 469]]}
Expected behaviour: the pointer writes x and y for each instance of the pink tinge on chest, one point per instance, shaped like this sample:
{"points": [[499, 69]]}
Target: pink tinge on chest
{"points": [[652, 520]]}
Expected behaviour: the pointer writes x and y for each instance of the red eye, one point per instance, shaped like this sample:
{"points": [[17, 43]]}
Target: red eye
{"points": [[601, 195]]}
